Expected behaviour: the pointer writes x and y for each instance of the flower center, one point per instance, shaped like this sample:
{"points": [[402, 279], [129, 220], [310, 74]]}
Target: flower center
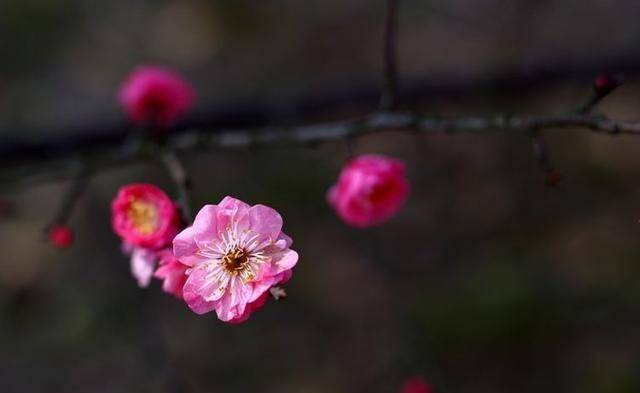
{"points": [[155, 107], [235, 261], [144, 216]]}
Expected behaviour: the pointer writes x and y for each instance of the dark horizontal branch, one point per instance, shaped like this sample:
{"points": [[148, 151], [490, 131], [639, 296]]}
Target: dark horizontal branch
{"points": [[41, 160], [197, 138], [400, 121], [30, 145]]}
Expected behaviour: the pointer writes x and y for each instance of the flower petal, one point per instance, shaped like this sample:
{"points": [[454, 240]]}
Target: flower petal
{"points": [[208, 281], [172, 273], [232, 305], [283, 241], [229, 202], [143, 263], [284, 261], [266, 222], [185, 247], [204, 225], [262, 286], [196, 303], [233, 219], [251, 307]]}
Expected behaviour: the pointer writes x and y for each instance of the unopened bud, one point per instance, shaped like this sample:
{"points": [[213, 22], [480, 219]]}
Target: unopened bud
{"points": [[605, 83], [61, 236]]}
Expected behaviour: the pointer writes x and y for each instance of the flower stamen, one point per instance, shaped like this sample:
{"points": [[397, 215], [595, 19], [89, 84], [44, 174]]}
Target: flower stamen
{"points": [[144, 216], [235, 261]]}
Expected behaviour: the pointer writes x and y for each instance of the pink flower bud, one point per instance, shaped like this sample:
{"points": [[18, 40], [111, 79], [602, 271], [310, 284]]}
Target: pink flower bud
{"points": [[155, 96], [605, 83], [61, 236], [235, 253], [144, 216], [370, 190], [416, 385]]}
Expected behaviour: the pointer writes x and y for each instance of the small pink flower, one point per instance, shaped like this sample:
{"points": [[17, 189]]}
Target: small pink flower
{"points": [[172, 273], [236, 253], [416, 385], [155, 95], [144, 216], [370, 190]]}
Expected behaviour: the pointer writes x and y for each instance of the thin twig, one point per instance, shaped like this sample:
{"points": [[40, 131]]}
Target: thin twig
{"points": [[72, 195], [181, 179], [204, 138], [603, 85], [541, 152], [591, 102], [551, 176], [389, 53]]}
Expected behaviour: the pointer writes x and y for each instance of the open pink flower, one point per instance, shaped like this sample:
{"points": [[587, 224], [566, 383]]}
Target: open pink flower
{"points": [[155, 95], [172, 273], [144, 216], [416, 385], [236, 253], [370, 190]]}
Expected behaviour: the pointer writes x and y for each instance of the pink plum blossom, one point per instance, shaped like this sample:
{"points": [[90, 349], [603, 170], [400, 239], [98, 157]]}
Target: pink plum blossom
{"points": [[370, 189], [156, 96], [147, 220], [416, 385], [236, 253], [144, 216], [172, 273]]}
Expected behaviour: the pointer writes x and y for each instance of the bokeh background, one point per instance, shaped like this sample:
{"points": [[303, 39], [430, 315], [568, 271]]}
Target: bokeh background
{"points": [[487, 282]]}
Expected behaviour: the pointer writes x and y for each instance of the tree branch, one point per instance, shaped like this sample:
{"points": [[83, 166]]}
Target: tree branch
{"points": [[181, 180], [71, 196], [603, 85], [400, 121], [21, 146], [101, 157]]}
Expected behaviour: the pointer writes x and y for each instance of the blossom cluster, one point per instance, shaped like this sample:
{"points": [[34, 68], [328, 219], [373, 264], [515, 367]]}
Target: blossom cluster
{"points": [[370, 189], [230, 258], [147, 220], [226, 262]]}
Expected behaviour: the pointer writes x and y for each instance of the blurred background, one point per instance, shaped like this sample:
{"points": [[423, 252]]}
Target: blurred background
{"points": [[486, 282]]}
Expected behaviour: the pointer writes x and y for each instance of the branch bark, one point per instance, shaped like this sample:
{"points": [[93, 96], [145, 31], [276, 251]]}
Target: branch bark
{"points": [[102, 157]]}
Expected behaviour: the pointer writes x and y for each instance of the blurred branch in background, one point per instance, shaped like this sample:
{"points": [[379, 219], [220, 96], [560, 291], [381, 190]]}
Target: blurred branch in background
{"points": [[113, 146], [80, 178], [390, 56], [17, 150], [104, 154]]}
